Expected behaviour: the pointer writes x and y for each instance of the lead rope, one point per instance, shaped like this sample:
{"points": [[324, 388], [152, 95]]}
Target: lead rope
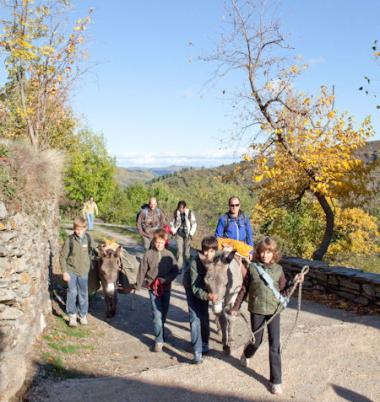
{"points": [[279, 309]]}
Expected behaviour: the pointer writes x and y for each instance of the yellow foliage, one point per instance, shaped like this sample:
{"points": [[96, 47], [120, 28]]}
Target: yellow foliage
{"points": [[357, 233]]}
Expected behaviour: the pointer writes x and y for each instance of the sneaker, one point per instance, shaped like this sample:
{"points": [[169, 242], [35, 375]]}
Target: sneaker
{"points": [[276, 389], [158, 346], [226, 350], [205, 348], [83, 320], [197, 358], [73, 320], [244, 361]]}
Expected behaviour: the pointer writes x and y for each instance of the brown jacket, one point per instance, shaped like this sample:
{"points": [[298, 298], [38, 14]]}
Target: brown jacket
{"points": [[150, 220], [154, 265]]}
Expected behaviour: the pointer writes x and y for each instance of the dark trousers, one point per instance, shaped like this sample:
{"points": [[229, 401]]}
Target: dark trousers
{"points": [[257, 320], [199, 321], [160, 307]]}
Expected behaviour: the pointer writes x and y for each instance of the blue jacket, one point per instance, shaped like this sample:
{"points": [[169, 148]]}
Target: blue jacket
{"points": [[237, 229]]}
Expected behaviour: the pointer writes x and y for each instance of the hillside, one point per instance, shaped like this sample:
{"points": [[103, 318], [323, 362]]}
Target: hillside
{"points": [[128, 176]]}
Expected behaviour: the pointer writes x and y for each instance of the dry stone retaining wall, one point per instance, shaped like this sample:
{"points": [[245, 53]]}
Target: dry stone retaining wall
{"points": [[28, 248], [351, 284]]}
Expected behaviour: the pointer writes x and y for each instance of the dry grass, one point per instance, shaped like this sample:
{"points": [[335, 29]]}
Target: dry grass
{"points": [[34, 175]]}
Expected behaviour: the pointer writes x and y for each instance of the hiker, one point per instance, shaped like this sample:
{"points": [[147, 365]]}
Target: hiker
{"points": [[234, 224], [149, 220], [90, 210], [198, 297], [264, 280], [75, 261], [183, 226], [157, 270]]}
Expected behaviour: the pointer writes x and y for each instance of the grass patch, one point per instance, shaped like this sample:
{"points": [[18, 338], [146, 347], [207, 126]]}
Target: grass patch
{"points": [[60, 342], [54, 367]]}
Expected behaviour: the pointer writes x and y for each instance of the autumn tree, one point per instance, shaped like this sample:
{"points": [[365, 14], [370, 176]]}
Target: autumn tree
{"points": [[301, 143], [42, 61]]}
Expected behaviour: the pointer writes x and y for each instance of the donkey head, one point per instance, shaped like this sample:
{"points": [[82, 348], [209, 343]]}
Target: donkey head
{"points": [[109, 266], [216, 278]]}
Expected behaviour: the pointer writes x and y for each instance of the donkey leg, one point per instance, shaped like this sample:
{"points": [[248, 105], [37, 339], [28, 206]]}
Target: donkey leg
{"points": [[114, 302], [224, 327], [217, 323]]}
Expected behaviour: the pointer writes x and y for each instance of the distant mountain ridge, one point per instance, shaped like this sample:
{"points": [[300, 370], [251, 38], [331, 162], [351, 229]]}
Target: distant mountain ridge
{"points": [[133, 175], [128, 176]]}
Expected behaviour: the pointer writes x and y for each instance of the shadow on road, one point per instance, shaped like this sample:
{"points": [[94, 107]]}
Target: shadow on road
{"points": [[349, 395], [81, 387]]}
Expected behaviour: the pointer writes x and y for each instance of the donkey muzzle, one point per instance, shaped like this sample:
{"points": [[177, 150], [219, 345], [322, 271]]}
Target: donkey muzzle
{"points": [[217, 307]]}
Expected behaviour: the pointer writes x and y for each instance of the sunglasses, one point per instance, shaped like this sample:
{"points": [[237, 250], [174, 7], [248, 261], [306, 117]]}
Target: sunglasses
{"points": [[234, 205]]}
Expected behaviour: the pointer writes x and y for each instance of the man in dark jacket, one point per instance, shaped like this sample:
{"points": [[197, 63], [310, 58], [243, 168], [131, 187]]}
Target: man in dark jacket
{"points": [[149, 220]]}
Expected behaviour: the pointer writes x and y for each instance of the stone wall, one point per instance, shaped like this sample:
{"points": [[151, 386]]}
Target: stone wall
{"points": [[351, 284], [28, 247]]}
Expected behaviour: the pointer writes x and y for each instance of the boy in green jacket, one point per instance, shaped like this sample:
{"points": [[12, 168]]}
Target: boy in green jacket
{"points": [[75, 261], [198, 297]]}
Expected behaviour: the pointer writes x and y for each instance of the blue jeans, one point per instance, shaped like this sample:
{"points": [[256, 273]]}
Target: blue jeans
{"points": [[78, 286], [199, 321], [160, 307], [90, 221]]}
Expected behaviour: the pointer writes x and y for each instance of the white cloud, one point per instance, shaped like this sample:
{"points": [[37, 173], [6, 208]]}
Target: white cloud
{"points": [[206, 159]]}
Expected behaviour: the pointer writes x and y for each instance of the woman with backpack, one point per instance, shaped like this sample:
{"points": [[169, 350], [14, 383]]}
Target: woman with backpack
{"points": [[234, 224], [183, 226]]}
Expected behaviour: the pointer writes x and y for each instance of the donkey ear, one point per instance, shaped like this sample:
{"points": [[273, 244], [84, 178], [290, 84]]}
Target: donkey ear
{"points": [[227, 258], [102, 252], [117, 252]]}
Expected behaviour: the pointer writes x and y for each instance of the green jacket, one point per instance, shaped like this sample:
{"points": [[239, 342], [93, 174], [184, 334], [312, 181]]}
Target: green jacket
{"points": [[261, 299], [78, 261], [197, 279]]}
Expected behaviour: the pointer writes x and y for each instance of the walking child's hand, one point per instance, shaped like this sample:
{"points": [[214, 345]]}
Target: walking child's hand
{"points": [[66, 276], [232, 312], [212, 297], [299, 278]]}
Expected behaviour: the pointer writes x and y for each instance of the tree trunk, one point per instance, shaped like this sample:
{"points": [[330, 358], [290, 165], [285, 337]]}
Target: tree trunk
{"points": [[329, 229]]}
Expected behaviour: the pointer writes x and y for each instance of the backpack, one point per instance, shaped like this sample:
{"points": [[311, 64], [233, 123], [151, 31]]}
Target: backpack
{"points": [[227, 224], [144, 208]]}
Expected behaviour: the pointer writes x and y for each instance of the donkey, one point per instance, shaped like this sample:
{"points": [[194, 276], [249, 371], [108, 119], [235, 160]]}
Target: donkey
{"points": [[109, 266], [224, 278]]}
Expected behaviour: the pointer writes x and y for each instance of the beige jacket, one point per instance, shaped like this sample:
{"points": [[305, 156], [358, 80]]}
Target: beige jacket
{"points": [[90, 208]]}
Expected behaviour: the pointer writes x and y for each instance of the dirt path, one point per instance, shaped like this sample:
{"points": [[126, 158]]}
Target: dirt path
{"points": [[333, 356]]}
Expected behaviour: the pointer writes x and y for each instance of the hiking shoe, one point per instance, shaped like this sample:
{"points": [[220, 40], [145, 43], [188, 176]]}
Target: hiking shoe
{"points": [[205, 348], [276, 389], [158, 346], [244, 361], [73, 320], [83, 320], [226, 350], [197, 358]]}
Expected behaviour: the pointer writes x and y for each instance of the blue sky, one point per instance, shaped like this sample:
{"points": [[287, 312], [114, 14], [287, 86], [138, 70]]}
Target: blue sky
{"points": [[149, 100]]}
